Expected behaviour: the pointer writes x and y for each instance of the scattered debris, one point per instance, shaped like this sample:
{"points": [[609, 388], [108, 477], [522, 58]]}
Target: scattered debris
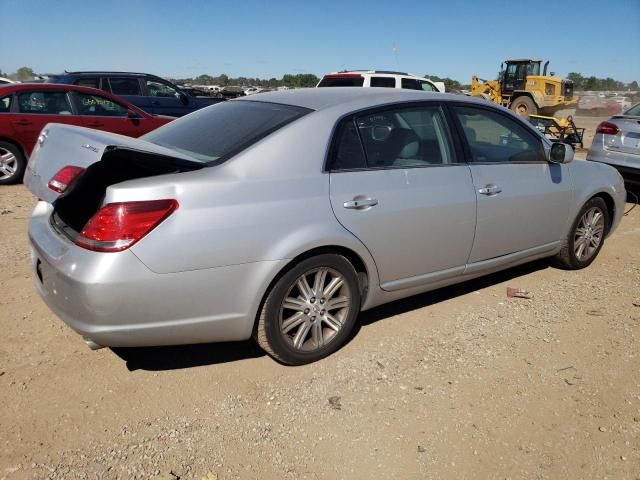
{"points": [[334, 402], [421, 449], [602, 429], [636, 303], [596, 313], [518, 293], [6, 212]]}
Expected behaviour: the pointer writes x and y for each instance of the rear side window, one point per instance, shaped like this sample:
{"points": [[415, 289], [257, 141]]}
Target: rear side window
{"points": [[406, 137], [387, 82], [92, 82], [218, 132], [341, 81], [411, 83], [5, 104], [348, 153], [157, 89], [125, 86], [45, 103]]}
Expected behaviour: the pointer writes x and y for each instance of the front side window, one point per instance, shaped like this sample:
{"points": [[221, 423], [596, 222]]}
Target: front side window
{"points": [[5, 104], [158, 89], [386, 82], [92, 82], [98, 105], [494, 138], [406, 137], [427, 87], [125, 86], [218, 132], [45, 103]]}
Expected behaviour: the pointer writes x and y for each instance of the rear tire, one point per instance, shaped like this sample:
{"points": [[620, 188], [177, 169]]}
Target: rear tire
{"points": [[12, 164], [310, 311], [586, 237], [524, 106]]}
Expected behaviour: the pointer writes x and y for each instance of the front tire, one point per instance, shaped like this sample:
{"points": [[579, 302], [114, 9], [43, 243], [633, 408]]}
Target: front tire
{"points": [[586, 236], [12, 164], [524, 106], [310, 311]]}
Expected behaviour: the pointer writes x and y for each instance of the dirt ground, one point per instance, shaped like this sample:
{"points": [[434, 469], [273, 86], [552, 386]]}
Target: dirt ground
{"points": [[458, 383]]}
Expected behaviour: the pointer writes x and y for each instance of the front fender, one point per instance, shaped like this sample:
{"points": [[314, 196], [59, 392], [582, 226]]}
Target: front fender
{"points": [[590, 179]]}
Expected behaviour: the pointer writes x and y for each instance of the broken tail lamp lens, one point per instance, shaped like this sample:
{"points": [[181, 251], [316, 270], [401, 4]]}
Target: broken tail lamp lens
{"points": [[118, 226], [61, 180]]}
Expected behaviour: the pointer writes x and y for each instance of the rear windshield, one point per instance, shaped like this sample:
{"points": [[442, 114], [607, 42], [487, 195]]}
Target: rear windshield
{"points": [[338, 81], [635, 110], [216, 133]]}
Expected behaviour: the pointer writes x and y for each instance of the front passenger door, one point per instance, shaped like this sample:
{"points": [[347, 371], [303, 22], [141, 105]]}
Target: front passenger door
{"points": [[523, 200]]}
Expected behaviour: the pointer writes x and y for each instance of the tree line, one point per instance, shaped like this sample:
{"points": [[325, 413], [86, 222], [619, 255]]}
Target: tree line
{"points": [[582, 83], [300, 80]]}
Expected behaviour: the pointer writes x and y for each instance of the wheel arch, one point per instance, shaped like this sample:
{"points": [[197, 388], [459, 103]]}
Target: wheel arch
{"points": [[364, 272], [611, 207], [15, 144]]}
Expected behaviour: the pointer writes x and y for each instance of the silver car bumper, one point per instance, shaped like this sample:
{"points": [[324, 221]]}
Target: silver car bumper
{"points": [[114, 300], [628, 164]]}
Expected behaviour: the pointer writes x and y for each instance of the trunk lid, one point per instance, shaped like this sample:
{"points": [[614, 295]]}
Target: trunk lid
{"points": [[61, 145], [628, 139]]}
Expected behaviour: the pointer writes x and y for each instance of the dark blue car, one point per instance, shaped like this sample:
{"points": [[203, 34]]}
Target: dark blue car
{"points": [[153, 94]]}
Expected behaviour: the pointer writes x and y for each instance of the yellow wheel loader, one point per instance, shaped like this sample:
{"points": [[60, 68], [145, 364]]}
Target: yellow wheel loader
{"points": [[521, 88]]}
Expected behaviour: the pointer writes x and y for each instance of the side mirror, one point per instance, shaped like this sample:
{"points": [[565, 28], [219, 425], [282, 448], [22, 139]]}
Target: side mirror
{"points": [[380, 133], [184, 98], [133, 115], [561, 153]]}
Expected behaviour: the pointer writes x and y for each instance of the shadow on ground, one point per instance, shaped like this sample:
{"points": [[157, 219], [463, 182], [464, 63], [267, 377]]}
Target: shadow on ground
{"points": [[189, 356]]}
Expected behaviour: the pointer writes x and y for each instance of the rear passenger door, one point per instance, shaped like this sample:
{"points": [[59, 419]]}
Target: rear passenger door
{"points": [[36, 108], [102, 113], [396, 183], [523, 200], [130, 89]]}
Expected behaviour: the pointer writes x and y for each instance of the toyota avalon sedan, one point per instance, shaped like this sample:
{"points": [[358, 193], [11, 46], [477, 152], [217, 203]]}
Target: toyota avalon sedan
{"points": [[281, 216]]}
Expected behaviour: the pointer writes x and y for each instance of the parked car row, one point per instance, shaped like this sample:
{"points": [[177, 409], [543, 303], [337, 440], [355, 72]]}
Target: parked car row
{"points": [[153, 94], [223, 225], [25, 108]]}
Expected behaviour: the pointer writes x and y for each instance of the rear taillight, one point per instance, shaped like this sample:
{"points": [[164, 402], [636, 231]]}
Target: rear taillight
{"points": [[608, 128], [64, 177], [117, 226]]}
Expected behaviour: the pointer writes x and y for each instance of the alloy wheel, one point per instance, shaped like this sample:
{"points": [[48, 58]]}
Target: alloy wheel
{"points": [[315, 309], [588, 234], [8, 164]]}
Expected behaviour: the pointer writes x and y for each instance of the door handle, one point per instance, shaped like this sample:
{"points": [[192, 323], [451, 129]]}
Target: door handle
{"points": [[360, 203], [490, 190], [23, 122]]}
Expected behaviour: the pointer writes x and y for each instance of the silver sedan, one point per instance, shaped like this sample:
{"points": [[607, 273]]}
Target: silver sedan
{"points": [[617, 143], [283, 215]]}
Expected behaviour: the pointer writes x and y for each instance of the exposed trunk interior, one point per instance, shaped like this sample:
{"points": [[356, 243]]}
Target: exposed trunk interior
{"points": [[85, 195]]}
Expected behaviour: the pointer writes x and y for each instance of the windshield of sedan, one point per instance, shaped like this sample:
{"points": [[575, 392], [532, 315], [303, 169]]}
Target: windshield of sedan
{"points": [[218, 132]]}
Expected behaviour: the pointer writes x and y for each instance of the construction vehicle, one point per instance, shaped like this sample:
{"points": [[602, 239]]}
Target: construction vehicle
{"points": [[560, 129], [521, 88]]}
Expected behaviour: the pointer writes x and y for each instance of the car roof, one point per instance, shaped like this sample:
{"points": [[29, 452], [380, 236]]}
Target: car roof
{"points": [[105, 72], [351, 98]]}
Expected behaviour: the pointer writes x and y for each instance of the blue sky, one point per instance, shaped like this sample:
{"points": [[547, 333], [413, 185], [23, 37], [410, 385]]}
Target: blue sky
{"points": [[451, 38]]}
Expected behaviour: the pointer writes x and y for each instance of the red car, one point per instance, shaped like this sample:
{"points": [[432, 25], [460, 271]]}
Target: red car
{"points": [[26, 108]]}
